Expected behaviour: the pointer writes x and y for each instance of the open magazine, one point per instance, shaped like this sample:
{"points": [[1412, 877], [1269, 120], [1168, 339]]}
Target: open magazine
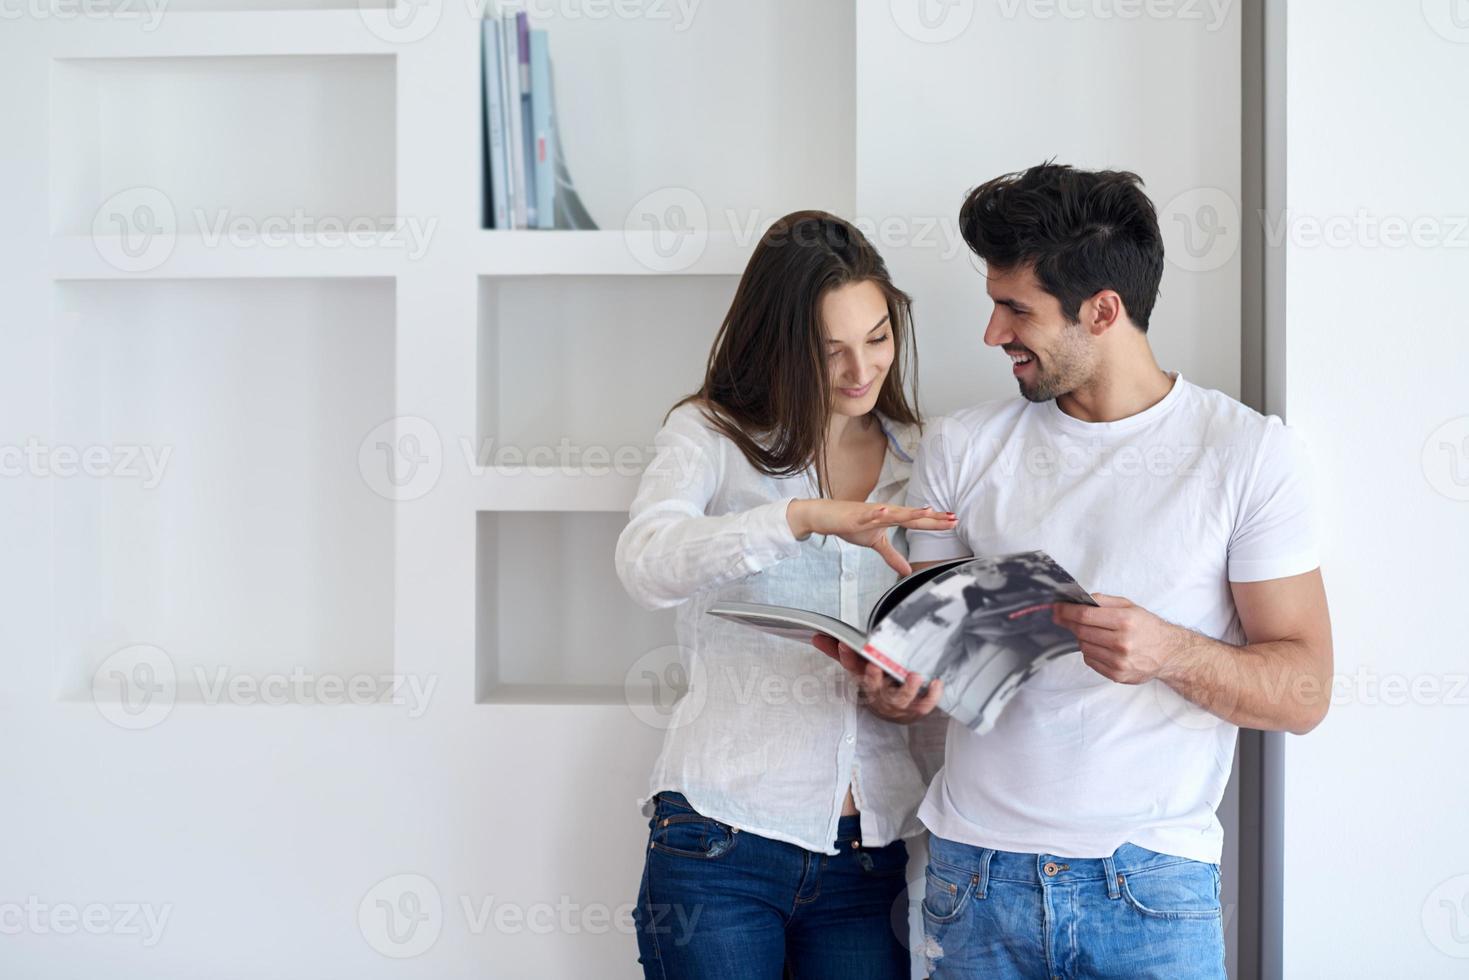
{"points": [[981, 625]]}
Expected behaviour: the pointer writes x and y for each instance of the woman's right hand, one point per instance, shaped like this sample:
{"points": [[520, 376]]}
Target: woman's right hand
{"points": [[864, 524]]}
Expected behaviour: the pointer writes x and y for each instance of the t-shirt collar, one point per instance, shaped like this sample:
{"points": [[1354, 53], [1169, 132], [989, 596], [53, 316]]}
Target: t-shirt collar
{"points": [[1056, 416]]}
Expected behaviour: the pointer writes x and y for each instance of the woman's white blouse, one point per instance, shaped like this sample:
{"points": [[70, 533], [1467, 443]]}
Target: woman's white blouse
{"points": [[769, 734]]}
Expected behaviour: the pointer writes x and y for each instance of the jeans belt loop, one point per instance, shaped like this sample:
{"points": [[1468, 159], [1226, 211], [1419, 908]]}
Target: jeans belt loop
{"points": [[1109, 867], [982, 885]]}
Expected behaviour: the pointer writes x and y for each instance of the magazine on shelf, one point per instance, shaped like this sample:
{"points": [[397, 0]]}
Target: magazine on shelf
{"points": [[981, 625], [514, 134], [497, 186], [542, 149], [527, 181]]}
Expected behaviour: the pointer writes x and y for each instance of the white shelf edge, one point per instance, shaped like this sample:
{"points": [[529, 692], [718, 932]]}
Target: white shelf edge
{"points": [[608, 493], [602, 253], [551, 694], [73, 257], [234, 33]]}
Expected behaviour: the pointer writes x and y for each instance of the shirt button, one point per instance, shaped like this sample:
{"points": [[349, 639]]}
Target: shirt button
{"points": [[851, 738]]}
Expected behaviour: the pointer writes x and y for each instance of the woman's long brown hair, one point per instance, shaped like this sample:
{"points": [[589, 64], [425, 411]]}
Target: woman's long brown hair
{"points": [[767, 386]]}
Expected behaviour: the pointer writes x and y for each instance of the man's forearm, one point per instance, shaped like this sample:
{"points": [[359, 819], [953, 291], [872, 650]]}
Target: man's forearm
{"points": [[1274, 686]]}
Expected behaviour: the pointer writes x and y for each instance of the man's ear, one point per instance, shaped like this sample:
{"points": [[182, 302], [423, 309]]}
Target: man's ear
{"points": [[1103, 312]]}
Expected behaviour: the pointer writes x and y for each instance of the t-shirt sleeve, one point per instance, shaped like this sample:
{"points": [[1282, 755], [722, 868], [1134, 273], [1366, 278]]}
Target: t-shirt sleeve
{"points": [[933, 484], [1275, 533]]}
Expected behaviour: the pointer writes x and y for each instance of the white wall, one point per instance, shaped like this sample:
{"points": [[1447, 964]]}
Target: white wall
{"points": [[1376, 841], [262, 829]]}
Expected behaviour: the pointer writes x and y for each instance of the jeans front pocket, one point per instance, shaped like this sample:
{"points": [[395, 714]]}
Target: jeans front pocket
{"points": [[691, 835], [946, 892], [1187, 890]]}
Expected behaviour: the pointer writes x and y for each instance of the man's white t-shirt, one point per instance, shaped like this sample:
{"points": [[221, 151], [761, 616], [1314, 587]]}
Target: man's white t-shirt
{"points": [[1164, 508]]}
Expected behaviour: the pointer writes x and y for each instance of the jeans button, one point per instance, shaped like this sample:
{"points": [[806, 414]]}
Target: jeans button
{"points": [[1051, 869]]}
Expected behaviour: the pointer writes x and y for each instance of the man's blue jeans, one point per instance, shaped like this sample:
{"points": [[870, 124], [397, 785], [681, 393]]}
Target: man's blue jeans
{"points": [[720, 903], [1137, 914]]}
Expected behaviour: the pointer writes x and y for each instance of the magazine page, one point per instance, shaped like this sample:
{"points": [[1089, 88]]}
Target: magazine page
{"points": [[793, 624], [983, 628], [905, 587]]}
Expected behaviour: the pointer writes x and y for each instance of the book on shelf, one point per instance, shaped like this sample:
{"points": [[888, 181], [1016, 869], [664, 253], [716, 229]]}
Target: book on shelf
{"points": [[527, 119], [542, 146], [527, 182], [497, 189], [514, 135], [981, 625]]}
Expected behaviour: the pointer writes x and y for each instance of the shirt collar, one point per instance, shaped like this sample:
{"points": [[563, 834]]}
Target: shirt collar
{"points": [[902, 439]]}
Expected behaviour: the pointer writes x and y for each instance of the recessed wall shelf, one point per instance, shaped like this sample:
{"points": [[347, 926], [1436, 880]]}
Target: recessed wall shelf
{"points": [[235, 531], [553, 623], [140, 146]]}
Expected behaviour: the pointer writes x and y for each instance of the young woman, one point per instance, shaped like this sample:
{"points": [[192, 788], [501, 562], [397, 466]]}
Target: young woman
{"points": [[779, 805]]}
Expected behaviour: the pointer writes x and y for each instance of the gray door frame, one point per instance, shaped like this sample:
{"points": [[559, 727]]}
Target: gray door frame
{"points": [[1259, 885]]}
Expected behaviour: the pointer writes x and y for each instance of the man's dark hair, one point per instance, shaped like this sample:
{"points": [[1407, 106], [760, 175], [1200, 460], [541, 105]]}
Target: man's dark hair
{"points": [[1081, 230]]}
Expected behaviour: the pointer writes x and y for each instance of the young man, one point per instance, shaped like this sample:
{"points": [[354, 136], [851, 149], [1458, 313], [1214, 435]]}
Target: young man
{"points": [[1078, 838]]}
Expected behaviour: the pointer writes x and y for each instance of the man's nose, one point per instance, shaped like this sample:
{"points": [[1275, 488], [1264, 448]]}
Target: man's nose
{"points": [[996, 332]]}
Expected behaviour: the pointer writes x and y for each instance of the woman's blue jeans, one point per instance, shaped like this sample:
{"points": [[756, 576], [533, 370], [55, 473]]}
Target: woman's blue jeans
{"points": [[720, 902]]}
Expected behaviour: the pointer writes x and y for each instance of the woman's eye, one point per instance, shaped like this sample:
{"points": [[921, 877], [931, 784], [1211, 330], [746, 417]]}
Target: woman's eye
{"points": [[878, 340]]}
